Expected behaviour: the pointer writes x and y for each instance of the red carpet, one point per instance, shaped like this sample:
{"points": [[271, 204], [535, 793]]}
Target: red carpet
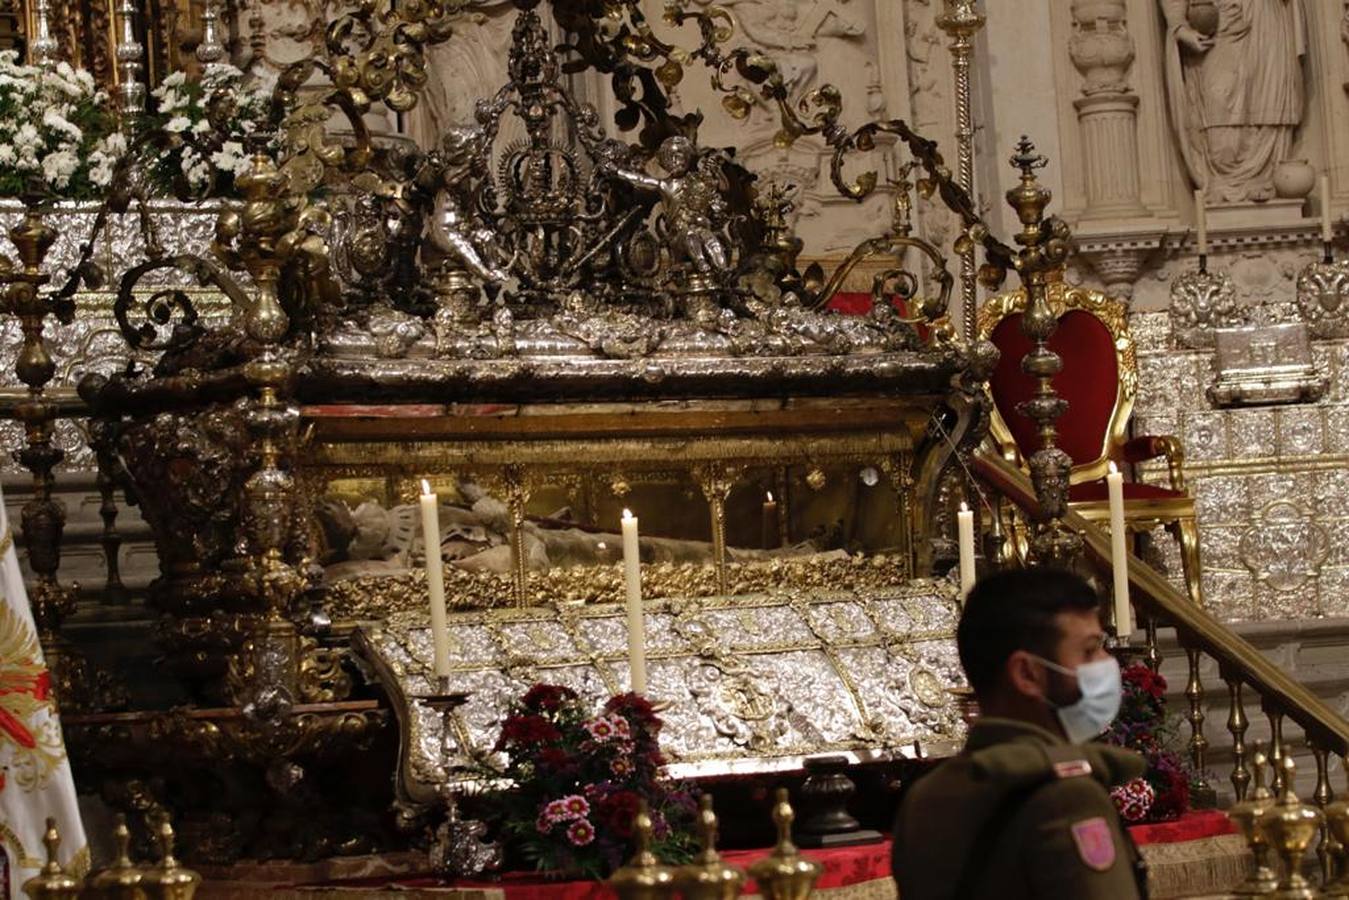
{"points": [[843, 867]]}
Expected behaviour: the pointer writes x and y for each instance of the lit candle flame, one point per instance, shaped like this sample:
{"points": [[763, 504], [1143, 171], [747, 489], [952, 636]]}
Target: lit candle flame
{"points": [[964, 507], [770, 496], [1114, 469], [627, 514], [426, 488]]}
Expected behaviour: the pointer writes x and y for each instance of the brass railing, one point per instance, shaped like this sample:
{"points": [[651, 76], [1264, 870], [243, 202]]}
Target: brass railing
{"points": [[67, 404], [1241, 666]]}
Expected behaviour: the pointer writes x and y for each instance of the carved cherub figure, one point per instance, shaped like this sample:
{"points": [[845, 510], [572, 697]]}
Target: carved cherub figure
{"points": [[691, 197], [452, 229]]}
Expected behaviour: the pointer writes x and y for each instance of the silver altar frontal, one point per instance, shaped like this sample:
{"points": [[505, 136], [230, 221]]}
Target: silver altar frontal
{"points": [[748, 684]]}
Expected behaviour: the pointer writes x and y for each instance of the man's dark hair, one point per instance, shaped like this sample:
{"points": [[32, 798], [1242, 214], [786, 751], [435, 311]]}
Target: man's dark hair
{"points": [[1014, 610]]}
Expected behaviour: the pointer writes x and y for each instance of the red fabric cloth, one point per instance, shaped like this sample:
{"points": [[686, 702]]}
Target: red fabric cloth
{"points": [[843, 866], [850, 304], [1089, 381], [859, 304], [1097, 490], [1193, 826]]}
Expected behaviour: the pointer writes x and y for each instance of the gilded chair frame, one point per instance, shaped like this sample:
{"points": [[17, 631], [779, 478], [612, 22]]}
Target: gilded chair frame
{"points": [[1176, 514], [1062, 297]]}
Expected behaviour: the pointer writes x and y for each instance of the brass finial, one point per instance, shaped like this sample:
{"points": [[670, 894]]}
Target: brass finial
{"points": [[1029, 198], [643, 878], [786, 874], [169, 880], [960, 18], [1290, 826], [121, 880], [1027, 159], [52, 883], [1246, 815], [707, 877]]}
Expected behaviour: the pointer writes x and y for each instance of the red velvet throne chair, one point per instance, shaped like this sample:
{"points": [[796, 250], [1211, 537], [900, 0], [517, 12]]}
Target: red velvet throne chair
{"points": [[1099, 380]]}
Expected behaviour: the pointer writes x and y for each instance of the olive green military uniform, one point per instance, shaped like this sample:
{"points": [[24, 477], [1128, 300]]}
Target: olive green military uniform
{"points": [[1020, 813]]}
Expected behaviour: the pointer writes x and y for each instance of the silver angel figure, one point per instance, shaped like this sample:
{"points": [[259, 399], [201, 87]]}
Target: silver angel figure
{"points": [[453, 230], [692, 202]]}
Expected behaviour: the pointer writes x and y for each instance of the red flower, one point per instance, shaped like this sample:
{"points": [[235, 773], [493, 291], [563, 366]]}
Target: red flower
{"points": [[1145, 680], [554, 758], [601, 729], [580, 832], [635, 707], [526, 730], [547, 697], [618, 810], [1134, 800]]}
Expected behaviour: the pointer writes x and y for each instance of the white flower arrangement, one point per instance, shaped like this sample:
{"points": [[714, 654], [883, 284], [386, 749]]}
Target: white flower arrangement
{"points": [[58, 135], [205, 122]]}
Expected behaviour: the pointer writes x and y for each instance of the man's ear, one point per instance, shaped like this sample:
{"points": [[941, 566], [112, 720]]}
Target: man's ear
{"points": [[1027, 675]]}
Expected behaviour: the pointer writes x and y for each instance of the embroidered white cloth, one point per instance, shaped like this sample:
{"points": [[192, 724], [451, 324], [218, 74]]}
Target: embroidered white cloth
{"points": [[35, 777]]}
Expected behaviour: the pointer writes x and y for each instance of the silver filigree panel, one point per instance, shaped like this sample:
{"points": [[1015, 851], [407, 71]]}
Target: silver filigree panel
{"points": [[1271, 485], [751, 683]]}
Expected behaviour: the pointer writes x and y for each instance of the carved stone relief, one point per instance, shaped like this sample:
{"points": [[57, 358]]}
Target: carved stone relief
{"points": [[1235, 88], [931, 99], [468, 67], [816, 42]]}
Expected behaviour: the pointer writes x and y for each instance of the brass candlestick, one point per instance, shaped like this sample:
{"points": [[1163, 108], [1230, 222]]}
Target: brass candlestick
{"points": [[1045, 246], [643, 878], [1290, 826], [43, 517], [52, 883], [121, 880], [786, 874], [961, 21], [169, 880], [707, 877], [1246, 815]]}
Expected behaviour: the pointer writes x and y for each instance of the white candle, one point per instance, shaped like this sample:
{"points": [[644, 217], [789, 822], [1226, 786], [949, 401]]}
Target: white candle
{"points": [[770, 523], [965, 521], [1201, 222], [435, 579], [632, 577], [1327, 232], [1119, 558]]}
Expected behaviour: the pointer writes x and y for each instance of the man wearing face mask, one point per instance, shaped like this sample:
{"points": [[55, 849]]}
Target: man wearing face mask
{"points": [[1024, 811]]}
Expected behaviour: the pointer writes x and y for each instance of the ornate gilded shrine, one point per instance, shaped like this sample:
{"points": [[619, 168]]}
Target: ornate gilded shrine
{"points": [[546, 330]]}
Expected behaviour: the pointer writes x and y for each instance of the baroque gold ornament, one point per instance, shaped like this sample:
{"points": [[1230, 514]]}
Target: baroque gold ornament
{"points": [[1290, 826], [708, 877], [644, 877], [785, 874], [123, 879], [52, 883]]}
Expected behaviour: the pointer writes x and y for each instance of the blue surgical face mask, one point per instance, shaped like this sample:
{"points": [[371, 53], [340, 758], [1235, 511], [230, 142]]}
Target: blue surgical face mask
{"points": [[1100, 685]]}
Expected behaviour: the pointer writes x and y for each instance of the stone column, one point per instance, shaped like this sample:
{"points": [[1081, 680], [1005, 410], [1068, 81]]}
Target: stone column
{"points": [[1102, 51]]}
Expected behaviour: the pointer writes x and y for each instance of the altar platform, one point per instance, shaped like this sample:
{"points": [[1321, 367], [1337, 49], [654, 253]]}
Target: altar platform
{"points": [[1197, 855]]}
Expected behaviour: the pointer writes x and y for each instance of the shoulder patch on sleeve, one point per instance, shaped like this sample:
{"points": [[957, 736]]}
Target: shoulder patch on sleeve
{"points": [[1072, 768], [1095, 844]]}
